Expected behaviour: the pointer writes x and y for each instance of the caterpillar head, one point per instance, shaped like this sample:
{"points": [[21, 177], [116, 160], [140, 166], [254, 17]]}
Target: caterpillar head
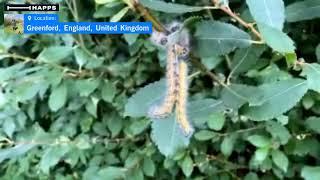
{"points": [[179, 35], [182, 51], [174, 26], [159, 39]]}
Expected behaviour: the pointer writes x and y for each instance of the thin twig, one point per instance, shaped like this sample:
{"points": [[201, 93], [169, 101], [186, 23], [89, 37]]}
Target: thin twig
{"points": [[240, 131], [74, 11], [61, 141], [77, 19], [228, 11], [68, 71], [194, 75], [204, 69], [228, 60], [148, 16]]}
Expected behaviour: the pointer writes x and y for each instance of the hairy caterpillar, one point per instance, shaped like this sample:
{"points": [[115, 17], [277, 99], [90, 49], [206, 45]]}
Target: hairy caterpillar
{"points": [[166, 107], [177, 44], [181, 104]]}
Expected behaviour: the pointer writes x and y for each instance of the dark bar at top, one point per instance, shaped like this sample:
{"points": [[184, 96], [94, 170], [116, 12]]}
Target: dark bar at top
{"points": [[31, 7]]}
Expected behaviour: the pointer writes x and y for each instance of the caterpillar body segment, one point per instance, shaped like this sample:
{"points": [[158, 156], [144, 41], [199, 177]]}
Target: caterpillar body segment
{"points": [[159, 38], [166, 107], [181, 105]]}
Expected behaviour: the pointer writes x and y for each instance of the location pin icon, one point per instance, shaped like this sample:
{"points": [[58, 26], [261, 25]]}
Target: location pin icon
{"points": [[29, 18]]}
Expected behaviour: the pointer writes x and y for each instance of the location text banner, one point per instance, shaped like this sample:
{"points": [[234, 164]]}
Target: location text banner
{"points": [[49, 24]]}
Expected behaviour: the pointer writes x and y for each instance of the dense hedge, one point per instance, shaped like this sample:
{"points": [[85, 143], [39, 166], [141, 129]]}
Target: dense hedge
{"points": [[74, 106]]}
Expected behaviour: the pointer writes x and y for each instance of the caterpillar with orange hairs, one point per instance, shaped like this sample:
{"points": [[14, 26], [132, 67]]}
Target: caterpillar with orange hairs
{"points": [[177, 44], [181, 104]]}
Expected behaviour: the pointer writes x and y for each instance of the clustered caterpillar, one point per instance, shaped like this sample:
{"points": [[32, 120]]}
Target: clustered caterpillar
{"points": [[181, 105], [177, 45], [165, 108]]}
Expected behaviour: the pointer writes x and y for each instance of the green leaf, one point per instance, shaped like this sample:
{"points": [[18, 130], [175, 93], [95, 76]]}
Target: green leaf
{"points": [[278, 132], [205, 135], [270, 12], [91, 106], [216, 121], [312, 72], [112, 172], [139, 126], [3, 100], [81, 57], [85, 123], [217, 38], [139, 103], [308, 101], [285, 94], [313, 123], [259, 141], [83, 142], [15, 151], [303, 10], [199, 111], [270, 74], [132, 160], [276, 39], [108, 10], [54, 54], [58, 97], [29, 90], [169, 7], [52, 155], [245, 58], [117, 17], [131, 38], [261, 154], [187, 166], [291, 59], [167, 135], [108, 91], [136, 174], [235, 95], [8, 40], [33, 134], [211, 62], [251, 176], [310, 173], [86, 86], [280, 159], [9, 126], [10, 72], [302, 147], [149, 167], [114, 123], [227, 144]]}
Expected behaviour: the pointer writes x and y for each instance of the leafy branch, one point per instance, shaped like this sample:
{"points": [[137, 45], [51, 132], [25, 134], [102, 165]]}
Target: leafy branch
{"points": [[69, 72], [63, 141], [148, 16], [228, 11], [160, 27]]}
